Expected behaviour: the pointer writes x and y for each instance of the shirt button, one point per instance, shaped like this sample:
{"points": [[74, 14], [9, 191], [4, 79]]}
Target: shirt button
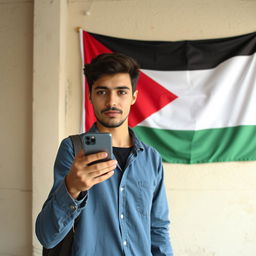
{"points": [[121, 216], [72, 207], [124, 243], [121, 189]]}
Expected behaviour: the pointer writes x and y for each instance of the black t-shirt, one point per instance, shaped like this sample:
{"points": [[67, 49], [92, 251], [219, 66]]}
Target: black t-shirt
{"points": [[122, 155]]}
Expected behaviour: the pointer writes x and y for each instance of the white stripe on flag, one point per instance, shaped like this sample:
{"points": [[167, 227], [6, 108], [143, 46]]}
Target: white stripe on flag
{"points": [[215, 98]]}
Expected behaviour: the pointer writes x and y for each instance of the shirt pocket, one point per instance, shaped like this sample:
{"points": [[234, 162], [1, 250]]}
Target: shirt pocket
{"points": [[144, 197]]}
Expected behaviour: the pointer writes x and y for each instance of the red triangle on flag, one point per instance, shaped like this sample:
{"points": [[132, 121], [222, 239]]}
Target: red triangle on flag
{"points": [[151, 95], [151, 98]]}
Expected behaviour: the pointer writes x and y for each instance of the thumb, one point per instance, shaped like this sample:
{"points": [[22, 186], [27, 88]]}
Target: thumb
{"points": [[80, 154]]}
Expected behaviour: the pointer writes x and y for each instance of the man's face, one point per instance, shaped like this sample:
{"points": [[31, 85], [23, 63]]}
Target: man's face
{"points": [[112, 97]]}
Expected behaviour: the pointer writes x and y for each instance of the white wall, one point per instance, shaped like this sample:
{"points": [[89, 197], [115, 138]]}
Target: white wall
{"points": [[212, 205], [16, 43]]}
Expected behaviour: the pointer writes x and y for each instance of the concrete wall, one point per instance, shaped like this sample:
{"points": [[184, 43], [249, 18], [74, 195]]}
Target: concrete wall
{"points": [[212, 205]]}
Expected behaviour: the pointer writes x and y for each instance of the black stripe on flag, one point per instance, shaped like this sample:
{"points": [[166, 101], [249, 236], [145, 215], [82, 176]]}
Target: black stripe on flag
{"points": [[181, 55]]}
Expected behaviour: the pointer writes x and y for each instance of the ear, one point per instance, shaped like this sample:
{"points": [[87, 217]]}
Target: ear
{"points": [[134, 97]]}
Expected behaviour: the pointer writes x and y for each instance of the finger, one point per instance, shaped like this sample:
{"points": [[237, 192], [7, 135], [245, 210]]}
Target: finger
{"points": [[103, 177], [94, 157], [98, 172], [102, 165]]}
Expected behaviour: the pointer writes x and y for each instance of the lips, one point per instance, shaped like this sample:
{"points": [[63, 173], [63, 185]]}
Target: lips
{"points": [[112, 113]]}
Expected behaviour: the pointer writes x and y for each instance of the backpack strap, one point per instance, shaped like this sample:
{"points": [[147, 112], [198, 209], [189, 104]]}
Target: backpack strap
{"points": [[77, 143]]}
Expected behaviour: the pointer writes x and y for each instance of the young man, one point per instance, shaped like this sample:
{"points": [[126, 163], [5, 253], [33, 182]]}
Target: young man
{"points": [[121, 202]]}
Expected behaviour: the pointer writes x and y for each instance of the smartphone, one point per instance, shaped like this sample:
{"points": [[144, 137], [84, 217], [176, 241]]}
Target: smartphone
{"points": [[97, 142]]}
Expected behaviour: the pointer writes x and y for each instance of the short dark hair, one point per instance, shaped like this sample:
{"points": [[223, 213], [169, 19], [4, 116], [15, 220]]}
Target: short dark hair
{"points": [[110, 64]]}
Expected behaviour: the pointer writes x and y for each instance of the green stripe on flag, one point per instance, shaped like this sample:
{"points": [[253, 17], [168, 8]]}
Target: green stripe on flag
{"points": [[210, 145]]}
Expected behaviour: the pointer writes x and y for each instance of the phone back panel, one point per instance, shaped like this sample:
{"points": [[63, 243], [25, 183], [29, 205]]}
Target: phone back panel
{"points": [[97, 142]]}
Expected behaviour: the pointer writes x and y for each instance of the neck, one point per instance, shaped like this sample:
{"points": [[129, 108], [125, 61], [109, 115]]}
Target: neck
{"points": [[120, 135]]}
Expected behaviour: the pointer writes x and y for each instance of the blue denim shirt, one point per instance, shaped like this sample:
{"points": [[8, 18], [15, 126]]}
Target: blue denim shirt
{"points": [[124, 215]]}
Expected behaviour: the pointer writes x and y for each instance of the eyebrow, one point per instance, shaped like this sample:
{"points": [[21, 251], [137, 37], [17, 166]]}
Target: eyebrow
{"points": [[99, 87]]}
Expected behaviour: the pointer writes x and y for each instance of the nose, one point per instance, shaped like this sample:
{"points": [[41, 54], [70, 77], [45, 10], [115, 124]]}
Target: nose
{"points": [[111, 99]]}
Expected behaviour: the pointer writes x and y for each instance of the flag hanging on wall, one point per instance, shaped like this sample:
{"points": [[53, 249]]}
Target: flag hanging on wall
{"points": [[197, 98]]}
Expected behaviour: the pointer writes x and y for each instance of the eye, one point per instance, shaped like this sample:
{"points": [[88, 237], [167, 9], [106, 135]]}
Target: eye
{"points": [[122, 92], [100, 92]]}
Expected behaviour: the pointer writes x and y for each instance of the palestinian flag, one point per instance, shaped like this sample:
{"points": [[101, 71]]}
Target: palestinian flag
{"points": [[197, 99]]}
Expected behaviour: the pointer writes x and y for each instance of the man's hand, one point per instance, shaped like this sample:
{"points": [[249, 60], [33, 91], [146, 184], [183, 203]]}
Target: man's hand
{"points": [[83, 176]]}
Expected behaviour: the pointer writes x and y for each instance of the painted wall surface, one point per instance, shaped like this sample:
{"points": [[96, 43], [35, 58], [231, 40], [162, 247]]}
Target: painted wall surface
{"points": [[212, 206], [16, 44]]}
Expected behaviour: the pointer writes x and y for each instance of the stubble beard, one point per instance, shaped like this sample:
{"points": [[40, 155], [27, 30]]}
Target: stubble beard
{"points": [[111, 125]]}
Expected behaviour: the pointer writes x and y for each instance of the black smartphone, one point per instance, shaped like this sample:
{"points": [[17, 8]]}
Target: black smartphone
{"points": [[98, 142]]}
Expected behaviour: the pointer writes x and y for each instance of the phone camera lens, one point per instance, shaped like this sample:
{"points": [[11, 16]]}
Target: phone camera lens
{"points": [[93, 139], [87, 140]]}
